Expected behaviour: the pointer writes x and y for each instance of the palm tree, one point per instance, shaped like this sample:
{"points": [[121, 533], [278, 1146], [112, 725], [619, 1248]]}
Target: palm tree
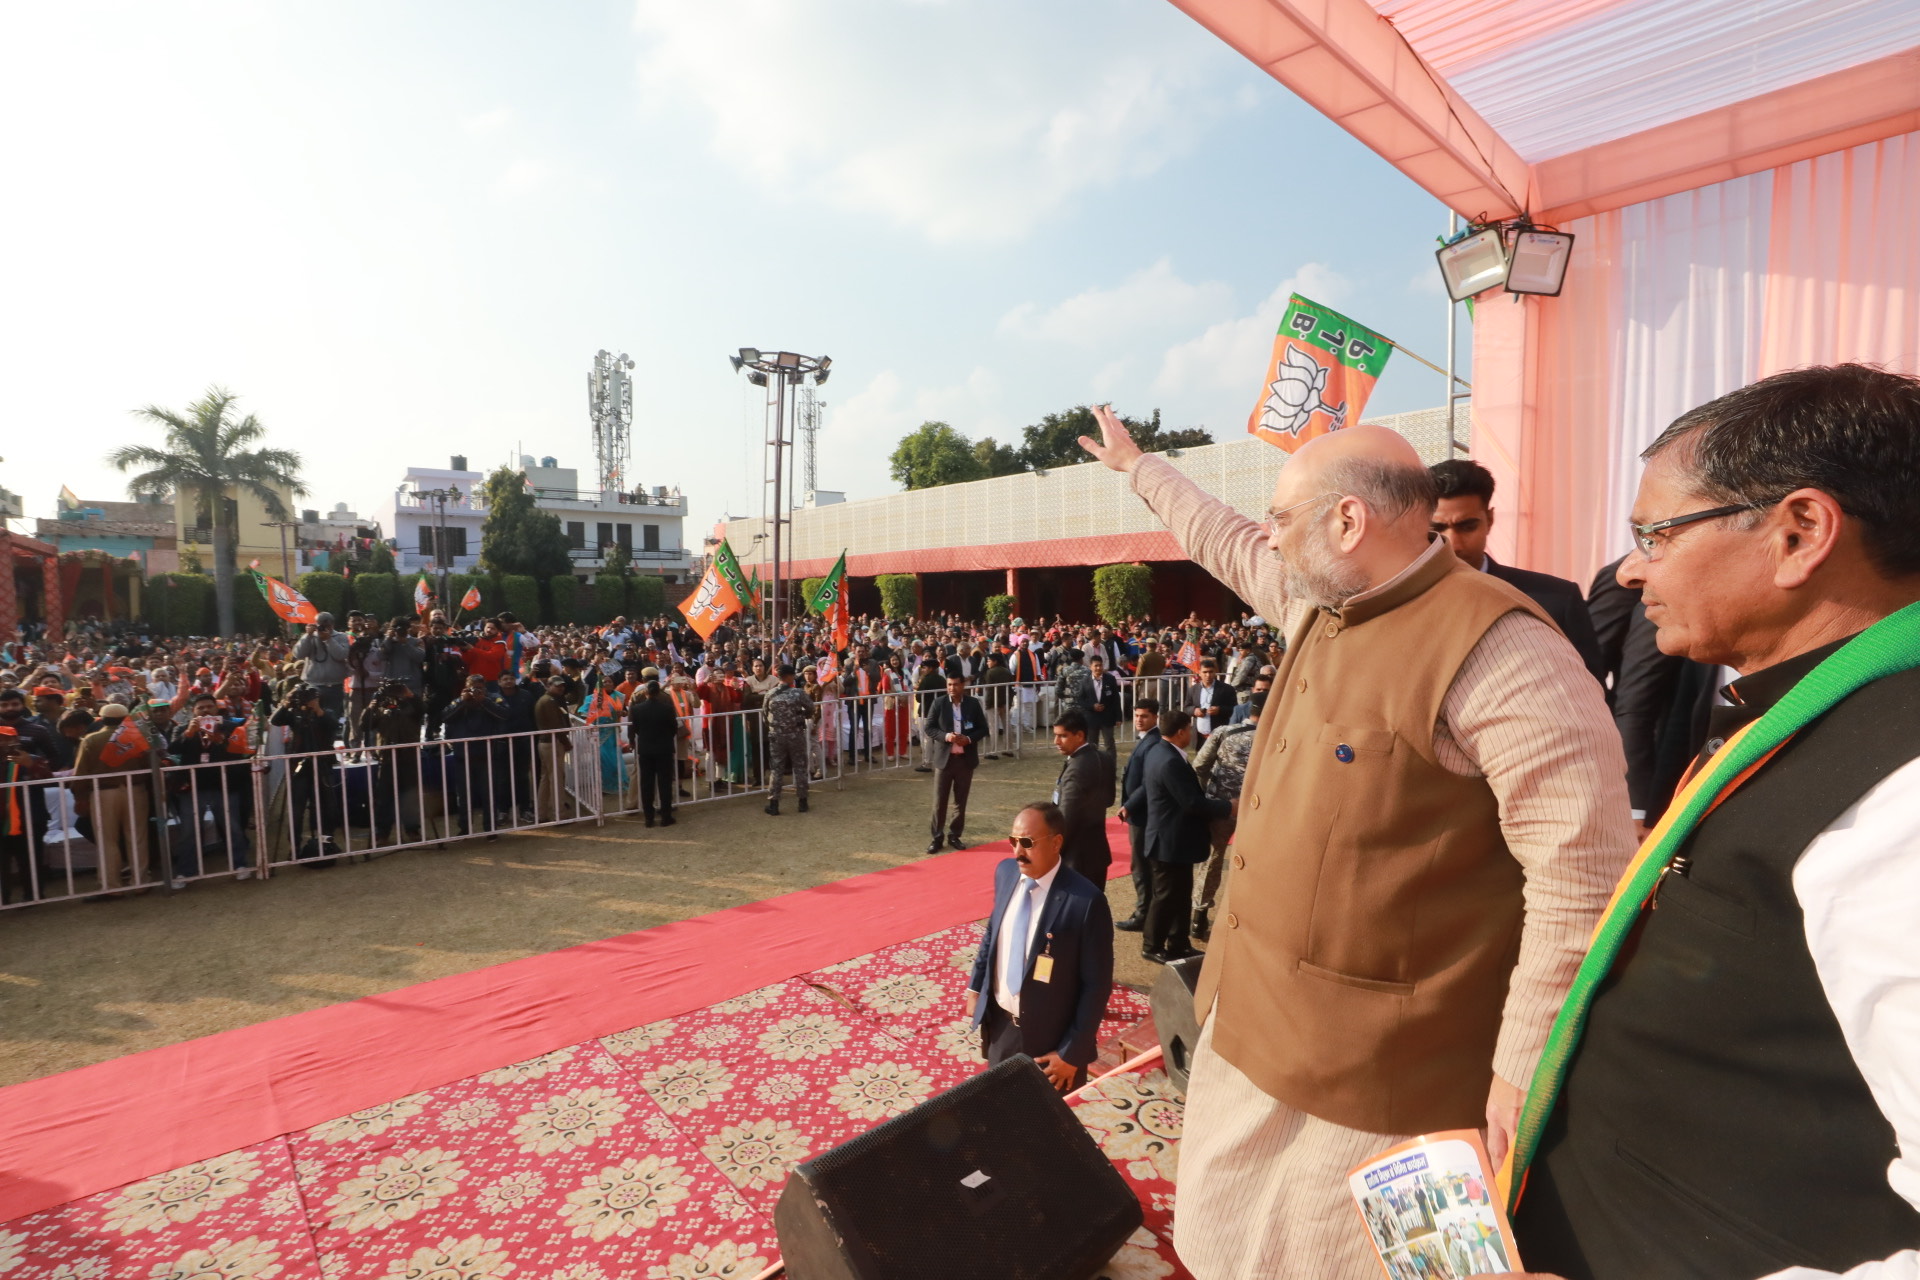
{"points": [[206, 462]]}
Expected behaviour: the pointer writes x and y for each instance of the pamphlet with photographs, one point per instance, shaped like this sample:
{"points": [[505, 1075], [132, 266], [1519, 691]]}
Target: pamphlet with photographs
{"points": [[1431, 1209]]}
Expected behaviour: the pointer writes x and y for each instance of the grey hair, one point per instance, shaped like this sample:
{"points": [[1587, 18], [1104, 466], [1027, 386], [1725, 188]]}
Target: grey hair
{"points": [[1390, 490]]}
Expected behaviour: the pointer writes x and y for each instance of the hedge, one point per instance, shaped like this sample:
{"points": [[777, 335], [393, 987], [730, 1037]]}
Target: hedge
{"points": [[252, 615], [899, 595], [1122, 591], [1000, 609], [180, 604], [609, 596], [646, 597], [520, 596], [327, 591], [379, 595], [563, 590]]}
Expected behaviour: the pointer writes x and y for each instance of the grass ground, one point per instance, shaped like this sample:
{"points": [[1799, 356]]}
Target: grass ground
{"points": [[86, 982]]}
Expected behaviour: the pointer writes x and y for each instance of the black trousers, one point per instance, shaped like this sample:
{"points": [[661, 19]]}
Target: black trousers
{"points": [[657, 777], [1142, 878], [953, 780], [1000, 1039], [1169, 907]]}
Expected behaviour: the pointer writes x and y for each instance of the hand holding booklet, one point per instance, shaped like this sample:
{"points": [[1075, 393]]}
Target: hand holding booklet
{"points": [[1431, 1209]]}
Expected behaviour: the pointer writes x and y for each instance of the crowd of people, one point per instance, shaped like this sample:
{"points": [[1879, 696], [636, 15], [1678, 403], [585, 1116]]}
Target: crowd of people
{"points": [[1413, 817]]}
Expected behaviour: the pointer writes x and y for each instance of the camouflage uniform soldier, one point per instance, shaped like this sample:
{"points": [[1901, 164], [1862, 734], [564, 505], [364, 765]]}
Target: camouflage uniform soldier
{"points": [[787, 711], [1221, 767]]}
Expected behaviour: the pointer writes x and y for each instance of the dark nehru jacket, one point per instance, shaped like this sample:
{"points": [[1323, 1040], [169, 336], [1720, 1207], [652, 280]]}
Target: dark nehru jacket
{"points": [[1713, 1123]]}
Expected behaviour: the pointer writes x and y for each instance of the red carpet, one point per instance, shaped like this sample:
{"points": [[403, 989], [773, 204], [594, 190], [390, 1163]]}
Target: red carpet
{"points": [[646, 1149], [87, 1131]]}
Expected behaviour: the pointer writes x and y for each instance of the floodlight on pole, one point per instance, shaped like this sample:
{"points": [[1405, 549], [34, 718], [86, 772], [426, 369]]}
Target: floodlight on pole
{"points": [[1537, 261], [1516, 254], [784, 371], [1473, 263]]}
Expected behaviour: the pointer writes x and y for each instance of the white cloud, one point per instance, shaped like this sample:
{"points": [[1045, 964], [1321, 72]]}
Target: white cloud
{"points": [[963, 122], [1231, 355], [1153, 299]]}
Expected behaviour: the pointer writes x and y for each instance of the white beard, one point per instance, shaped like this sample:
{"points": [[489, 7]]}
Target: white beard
{"points": [[1316, 575]]}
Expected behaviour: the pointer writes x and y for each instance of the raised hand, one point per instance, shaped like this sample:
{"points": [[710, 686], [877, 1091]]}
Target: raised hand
{"points": [[1115, 447]]}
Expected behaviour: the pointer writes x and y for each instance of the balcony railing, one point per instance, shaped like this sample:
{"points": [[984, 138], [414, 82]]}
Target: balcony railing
{"points": [[593, 497], [405, 501], [636, 554]]}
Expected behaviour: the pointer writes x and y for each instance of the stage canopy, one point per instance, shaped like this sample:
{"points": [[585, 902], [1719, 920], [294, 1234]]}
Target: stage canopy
{"points": [[1742, 177]]}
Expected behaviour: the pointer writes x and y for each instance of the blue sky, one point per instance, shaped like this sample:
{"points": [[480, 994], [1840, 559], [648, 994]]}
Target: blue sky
{"points": [[400, 231]]}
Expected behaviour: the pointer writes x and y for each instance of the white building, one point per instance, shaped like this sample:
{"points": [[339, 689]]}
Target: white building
{"points": [[418, 523], [647, 521]]}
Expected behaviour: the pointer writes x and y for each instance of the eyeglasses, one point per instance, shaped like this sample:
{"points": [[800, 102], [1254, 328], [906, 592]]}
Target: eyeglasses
{"points": [[1021, 842], [1650, 546], [1273, 514]]}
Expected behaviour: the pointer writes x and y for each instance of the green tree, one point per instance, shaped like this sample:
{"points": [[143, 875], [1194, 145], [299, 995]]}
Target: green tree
{"points": [[378, 594], [618, 560], [381, 558], [519, 538], [1122, 591], [998, 459], [564, 591], [327, 591], [1000, 609], [207, 463], [646, 597], [609, 596], [934, 454], [1054, 441], [178, 604], [899, 594], [520, 596]]}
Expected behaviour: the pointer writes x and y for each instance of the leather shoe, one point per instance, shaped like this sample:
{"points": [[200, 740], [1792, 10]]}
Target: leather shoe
{"points": [[1153, 957], [1132, 924], [955, 842], [773, 808], [1203, 925], [923, 768], [935, 845], [1185, 953]]}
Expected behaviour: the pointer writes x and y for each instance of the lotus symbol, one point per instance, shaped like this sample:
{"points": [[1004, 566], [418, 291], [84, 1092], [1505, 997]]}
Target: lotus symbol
{"points": [[1293, 397]]}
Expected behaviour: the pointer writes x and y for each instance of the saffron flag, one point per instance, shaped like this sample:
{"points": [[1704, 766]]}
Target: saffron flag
{"points": [[715, 600], [1189, 656], [422, 595], [285, 602], [127, 743], [471, 600], [1321, 371]]}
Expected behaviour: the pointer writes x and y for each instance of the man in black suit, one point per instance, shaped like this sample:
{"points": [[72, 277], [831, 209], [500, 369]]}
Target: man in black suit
{"points": [[1464, 517], [1083, 792], [1146, 723], [1045, 968], [1210, 700], [954, 727], [1179, 836], [1104, 713]]}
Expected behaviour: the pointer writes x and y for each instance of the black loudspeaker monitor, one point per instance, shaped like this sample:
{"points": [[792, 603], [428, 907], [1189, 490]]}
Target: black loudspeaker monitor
{"points": [[993, 1178], [1175, 1019]]}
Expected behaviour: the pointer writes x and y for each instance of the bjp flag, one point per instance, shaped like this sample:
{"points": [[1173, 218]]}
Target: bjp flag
{"points": [[1189, 656], [1321, 371], [712, 604], [471, 600]]}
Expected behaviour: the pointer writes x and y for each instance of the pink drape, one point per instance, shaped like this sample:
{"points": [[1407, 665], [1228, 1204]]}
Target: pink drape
{"points": [[1843, 271], [1670, 303]]}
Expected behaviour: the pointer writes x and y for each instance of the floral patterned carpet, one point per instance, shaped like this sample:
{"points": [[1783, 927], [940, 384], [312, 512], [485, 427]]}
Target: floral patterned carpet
{"points": [[655, 1153]]}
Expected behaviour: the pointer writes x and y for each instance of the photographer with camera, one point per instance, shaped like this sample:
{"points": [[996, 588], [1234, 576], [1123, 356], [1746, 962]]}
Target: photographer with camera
{"points": [[213, 804], [313, 777], [324, 652], [468, 780], [391, 727]]}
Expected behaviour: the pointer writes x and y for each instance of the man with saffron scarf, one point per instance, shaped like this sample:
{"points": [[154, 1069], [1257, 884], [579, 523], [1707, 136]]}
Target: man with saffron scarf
{"points": [[1732, 1088]]}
